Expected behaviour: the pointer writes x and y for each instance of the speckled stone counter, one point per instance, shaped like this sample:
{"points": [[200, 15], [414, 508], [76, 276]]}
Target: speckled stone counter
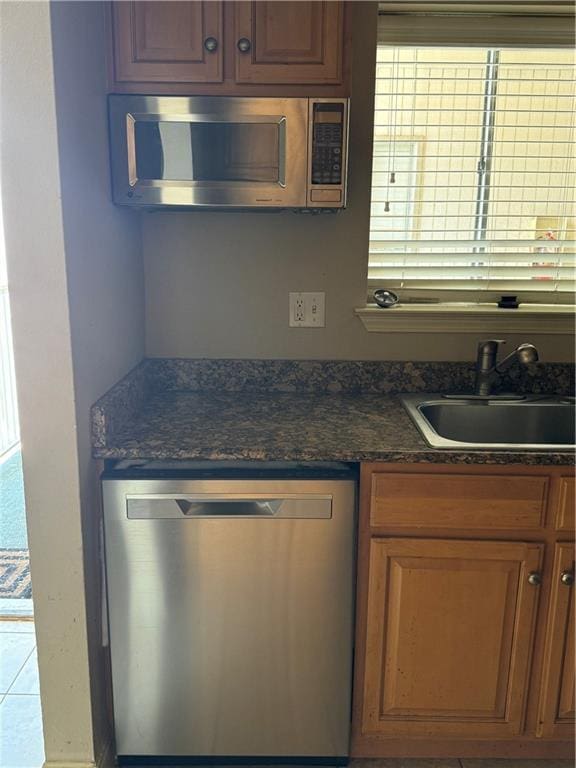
{"points": [[290, 411]]}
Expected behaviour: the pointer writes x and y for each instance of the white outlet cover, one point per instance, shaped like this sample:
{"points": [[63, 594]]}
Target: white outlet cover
{"points": [[307, 309]]}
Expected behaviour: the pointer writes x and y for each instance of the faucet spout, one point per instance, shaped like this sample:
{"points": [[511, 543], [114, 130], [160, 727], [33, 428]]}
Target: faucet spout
{"points": [[487, 365]]}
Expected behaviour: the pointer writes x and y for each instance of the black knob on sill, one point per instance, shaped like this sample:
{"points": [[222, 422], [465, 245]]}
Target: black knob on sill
{"points": [[244, 45], [211, 44], [508, 302]]}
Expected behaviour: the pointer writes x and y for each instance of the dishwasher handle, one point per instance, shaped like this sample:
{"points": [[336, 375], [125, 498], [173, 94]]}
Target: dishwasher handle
{"points": [[228, 508], [161, 506]]}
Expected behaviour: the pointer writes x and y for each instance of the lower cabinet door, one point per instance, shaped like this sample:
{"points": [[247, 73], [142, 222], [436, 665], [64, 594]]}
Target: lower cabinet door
{"points": [[449, 636], [556, 712]]}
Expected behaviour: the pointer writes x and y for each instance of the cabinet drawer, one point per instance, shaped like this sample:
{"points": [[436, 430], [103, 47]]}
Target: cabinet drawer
{"points": [[458, 501], [566, 502]]}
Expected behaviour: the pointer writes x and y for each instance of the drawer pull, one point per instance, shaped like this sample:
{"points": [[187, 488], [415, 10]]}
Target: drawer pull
{"points": [[244, 45], [211, 44]]}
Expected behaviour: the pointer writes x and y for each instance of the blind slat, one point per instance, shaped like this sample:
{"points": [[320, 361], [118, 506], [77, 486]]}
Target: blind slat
{"points": [[552, 29], [435, 271], [521, 8], [517, 262], [540, 291], [495, 243]]}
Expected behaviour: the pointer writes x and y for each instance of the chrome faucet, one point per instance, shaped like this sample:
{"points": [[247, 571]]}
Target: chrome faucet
{"points": [[487, 365]]}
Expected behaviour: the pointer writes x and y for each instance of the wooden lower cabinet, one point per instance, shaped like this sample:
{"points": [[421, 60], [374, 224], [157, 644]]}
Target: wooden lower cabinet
{"points": [[556, 713], [449, 633], [465, 635]]}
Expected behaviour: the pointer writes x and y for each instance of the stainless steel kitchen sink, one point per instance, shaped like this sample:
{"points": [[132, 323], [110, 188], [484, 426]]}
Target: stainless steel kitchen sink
{"points": [[531, 423]]}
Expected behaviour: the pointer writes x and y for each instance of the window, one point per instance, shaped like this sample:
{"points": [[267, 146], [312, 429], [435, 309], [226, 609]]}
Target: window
{"points": [[473, 173]]}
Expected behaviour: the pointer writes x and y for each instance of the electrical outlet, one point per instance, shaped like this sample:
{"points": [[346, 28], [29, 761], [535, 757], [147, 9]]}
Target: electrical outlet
{"points": [[307, 310], [299, 311]]}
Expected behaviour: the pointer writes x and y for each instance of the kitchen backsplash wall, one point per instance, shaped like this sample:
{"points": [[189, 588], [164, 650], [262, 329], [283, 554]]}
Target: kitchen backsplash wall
{"points": [[334, 376], [217, 284]]}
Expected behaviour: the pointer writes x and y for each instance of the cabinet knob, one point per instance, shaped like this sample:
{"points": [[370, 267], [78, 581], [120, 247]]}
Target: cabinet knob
{"points": [[244, 45], [535, 579], [567, 578], [211, 44]]}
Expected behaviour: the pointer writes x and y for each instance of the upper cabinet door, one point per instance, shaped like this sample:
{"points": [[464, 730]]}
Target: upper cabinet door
{"points": [[289, 42], [448, 637], [167, 42], [557, 706]]}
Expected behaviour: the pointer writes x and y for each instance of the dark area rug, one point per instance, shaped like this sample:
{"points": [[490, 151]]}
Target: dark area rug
{"points": [[15, 574]]}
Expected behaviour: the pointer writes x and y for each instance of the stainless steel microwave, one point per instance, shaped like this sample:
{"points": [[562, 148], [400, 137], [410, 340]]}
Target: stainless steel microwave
{"points": [[229, 152]]}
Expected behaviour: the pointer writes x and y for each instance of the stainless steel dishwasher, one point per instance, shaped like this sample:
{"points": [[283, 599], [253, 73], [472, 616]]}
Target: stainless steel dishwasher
{"points": [[230, 605]]}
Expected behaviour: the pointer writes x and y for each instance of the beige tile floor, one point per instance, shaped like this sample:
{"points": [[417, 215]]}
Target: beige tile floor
{"points": [[21, 743]]}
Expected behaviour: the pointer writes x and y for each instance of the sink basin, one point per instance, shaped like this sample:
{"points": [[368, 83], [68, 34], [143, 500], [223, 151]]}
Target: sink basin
{"points": [[532, 423]]}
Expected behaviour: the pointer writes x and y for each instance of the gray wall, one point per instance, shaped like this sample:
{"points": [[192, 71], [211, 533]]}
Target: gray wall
{"points": [[105, 283], [217, 283], [76, 287]]}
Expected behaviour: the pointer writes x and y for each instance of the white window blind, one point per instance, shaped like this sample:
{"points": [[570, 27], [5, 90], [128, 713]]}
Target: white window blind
{"points": [[487, 22], [514, 7], [473, 174]]}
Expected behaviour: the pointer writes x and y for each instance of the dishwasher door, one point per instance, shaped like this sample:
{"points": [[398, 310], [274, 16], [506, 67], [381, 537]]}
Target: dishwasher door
{"points": [[231, 615]]}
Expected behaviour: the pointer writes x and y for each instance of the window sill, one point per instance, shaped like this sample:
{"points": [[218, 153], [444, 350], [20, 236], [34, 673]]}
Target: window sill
{"points": [[455, 317]]}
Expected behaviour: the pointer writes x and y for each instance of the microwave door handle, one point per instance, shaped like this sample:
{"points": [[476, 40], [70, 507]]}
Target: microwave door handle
{"points": [[282, 152]]}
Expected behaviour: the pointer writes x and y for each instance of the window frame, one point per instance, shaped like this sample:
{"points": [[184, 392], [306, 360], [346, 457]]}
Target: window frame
{"points": [[561, 312]]}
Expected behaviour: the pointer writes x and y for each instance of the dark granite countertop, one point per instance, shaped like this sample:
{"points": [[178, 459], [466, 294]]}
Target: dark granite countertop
{"points": [[285, 426]]}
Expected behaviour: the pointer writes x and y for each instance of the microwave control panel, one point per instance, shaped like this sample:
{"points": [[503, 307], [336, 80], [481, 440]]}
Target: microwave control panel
{"points": [[327, 172]]}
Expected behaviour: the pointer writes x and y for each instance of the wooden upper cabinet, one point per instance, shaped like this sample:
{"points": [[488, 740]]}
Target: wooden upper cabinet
{"points": [[289, 42], [556, 712], [449, 634], [219, 47], [167, 42]]}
